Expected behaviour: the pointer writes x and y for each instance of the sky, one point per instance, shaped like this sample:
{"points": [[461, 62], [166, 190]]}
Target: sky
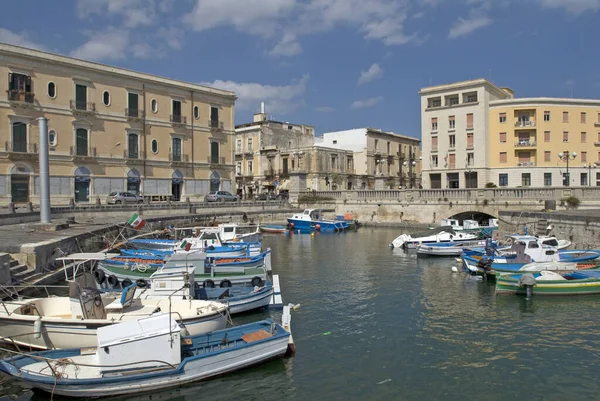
{"points": [[333, 64]]}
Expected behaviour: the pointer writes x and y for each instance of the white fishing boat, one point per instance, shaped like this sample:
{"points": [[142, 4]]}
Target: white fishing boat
{"points": [[73, 321], [435, 235], [447, 248], [148, 354]]}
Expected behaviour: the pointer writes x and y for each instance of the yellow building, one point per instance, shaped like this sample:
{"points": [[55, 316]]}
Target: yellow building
{"points": [[110, 129], [533, 140]]}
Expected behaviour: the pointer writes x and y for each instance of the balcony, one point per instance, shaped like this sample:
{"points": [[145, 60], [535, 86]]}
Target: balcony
{"points": [[177, 119], [178, 159], [21, 150], [249, 151], [216, 125], [20, 98], [470, 146], [134, 114], [78, 107], [526, 164], [78, 154], [525, 144], [525, 124], [597, 124], [132, 157], [215, 160]]}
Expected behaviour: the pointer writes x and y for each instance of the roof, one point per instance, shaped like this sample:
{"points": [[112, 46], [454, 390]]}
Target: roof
{"points": [[533, 101], [473, 83], [56, 58]]}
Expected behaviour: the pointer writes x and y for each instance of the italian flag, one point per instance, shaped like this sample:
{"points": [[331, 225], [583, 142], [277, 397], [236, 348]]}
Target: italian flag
{"points": [[136, 222], [185, 245]]}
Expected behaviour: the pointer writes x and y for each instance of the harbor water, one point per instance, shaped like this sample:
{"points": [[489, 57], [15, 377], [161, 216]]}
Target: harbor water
{"points": [[380, 324]]}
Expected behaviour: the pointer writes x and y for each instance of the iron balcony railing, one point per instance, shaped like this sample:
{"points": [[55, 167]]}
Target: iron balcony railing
{"points": [[20, 147], [77, 105], [178, 119], [20, 96], [215, 160], [134, 113], [215, 124], [82, 152], [178, 157], [131, 154]]}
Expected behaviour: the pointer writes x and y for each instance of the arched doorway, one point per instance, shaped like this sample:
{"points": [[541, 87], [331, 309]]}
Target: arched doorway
{"points": [[133, 181], [19, 184], [82, 184], [176, 185], [215, 181]]}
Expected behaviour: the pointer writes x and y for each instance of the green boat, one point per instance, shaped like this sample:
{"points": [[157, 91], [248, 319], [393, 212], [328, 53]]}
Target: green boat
{"points": [[550, 283]]}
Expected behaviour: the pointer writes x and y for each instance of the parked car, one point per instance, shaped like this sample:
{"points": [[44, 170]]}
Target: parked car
{"points": [[283, 196], [116, 198], [265, 196], [220, 196]]}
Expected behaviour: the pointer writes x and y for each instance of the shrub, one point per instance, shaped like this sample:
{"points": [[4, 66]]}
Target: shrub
{"points": [[491, 185], [485, 202], [308, 199], [572, 202]]}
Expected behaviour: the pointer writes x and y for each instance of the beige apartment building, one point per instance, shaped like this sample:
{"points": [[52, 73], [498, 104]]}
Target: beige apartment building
{"points": [[110, 129], [475, 134]]}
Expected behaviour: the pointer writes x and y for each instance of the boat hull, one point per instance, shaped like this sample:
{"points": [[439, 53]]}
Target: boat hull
{"points": [[323, 226], [511, 286]]}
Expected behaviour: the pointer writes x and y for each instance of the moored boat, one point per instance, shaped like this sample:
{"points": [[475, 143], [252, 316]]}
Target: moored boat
{"points": [[436, 235], [550, 283], [273, 229], [311, 220], [447, 248]]}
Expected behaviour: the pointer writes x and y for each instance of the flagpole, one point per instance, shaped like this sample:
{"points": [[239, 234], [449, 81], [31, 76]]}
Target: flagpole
{"points": [[118, 235]]}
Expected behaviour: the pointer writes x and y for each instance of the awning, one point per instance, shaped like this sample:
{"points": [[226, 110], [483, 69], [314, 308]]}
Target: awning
{"points": [[284, 185], [267, 184]]}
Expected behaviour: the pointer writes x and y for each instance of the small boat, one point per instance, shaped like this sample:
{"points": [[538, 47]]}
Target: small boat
{"points": [[550, 283], [447, 248], [311, 220], [148, 354], [435, 235], [273, 229], [73, 321]]}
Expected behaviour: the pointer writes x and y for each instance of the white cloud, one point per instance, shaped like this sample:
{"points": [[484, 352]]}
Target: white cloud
{"points": [[464, 27], [363, 104], [18, 39], [279, 99], [325, 109], [573, 6], [287, 46], [173, 37], [142, 50], [374, 72], [134, 12], [111, 44]]}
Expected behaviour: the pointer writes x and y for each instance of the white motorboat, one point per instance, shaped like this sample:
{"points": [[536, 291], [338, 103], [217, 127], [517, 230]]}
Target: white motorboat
{"points": [[447, 248], [439, 234]]}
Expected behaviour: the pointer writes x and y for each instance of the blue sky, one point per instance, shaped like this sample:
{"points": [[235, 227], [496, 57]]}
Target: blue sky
{"points": [[334, 64]]}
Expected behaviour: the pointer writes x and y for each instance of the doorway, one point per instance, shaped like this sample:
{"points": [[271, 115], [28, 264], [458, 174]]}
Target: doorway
{"points": [[176, 185], [82, 184], [19, 188]]}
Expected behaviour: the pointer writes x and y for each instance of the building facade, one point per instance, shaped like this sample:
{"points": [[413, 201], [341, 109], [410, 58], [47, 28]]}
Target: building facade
{"points": [[381, 159], [110, 129], [476, 134]]}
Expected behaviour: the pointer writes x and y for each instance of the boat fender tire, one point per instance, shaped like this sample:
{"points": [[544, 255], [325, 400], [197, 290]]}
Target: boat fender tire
{"points": [[257, 282], [113, 281], [225, 284], [141, 283], [211, 248], [99, 276], [208, 284], [126, 283]]}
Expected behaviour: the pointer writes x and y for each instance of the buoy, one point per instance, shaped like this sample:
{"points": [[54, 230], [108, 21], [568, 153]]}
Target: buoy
{"points": [[37, 327], [312, 234], [318, 227], [292, 225], [454, 269]]}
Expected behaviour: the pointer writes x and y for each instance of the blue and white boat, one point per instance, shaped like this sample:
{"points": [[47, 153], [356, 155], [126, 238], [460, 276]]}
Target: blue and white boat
{"points": [[311, 220], [148, 354], [447, 248]]}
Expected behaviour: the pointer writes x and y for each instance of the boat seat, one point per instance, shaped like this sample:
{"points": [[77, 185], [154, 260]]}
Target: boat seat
{"points": [[126, 299], [549, 275]]}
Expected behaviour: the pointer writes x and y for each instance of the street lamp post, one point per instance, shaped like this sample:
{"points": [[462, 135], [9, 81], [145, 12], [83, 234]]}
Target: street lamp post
{"points": [[567, 157], [590, 167]]}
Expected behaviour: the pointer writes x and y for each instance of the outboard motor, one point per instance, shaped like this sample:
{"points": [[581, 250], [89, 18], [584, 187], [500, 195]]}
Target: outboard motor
{"points": [[528, 281], [485, 264], [91, 304]]}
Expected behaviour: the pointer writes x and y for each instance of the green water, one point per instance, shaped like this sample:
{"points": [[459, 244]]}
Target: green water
{"points": [[377, 324]]}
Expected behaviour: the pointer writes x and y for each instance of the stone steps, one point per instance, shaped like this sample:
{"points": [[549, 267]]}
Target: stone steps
{"points": [[21, 273]]}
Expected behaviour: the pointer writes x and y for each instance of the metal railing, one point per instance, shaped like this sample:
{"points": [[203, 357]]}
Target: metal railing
{"points": [[77, 105], [525, 124], [215, 124], [20, 147], [525, 143], [128, 154], [178, 119], [215, 160], [178, 158], [134, 113], [85, 152], [20, 96]]}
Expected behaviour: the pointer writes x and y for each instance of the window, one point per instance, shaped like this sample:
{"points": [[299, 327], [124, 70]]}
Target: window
{"points": [[132, 104], [176, 107], [106, 98], [565, 136], [196, 112], [452, 100], [250, 145], [214, 117], [335, 142], [434, 143], [583, 137], [565, 116], [470, 141], [598, 179], [583, 117], [470, 159], [598, 117], [80, 97], [81, 142], [584, 156], [214, 152], [154, 106], [584, 179], [176, 150], [503, 137], [238, 168], [452, 141], [470, 121], [376, 144], [154, 146], [503, 180], [52, 138], [502, 157], [238, 145], [502, 117], [547, 156], [547, 179], [451, 122], [19, 88], [546, 136], [547, 116], [470, 97], [132, 146], [19, 137], [250, 167], [434, 161], [526, 179], [51, 90], [451, 160], [434, 124], [434, 102]]}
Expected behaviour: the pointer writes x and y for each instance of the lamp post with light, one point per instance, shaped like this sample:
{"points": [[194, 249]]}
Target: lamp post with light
{"points": [[590, 167], [567, 157]]}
